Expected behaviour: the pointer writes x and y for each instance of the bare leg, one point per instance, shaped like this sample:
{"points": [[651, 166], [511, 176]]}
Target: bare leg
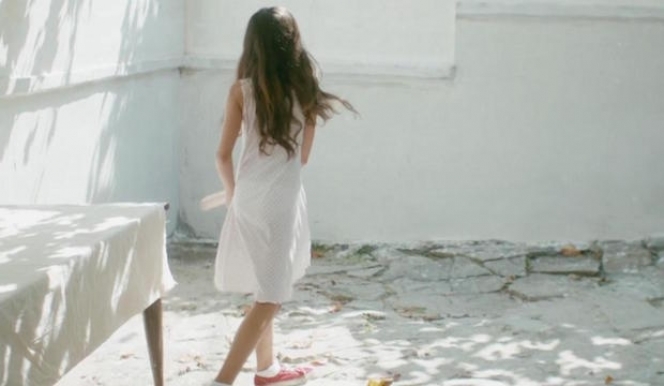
{"points": [[264, 354], [250, 332]]}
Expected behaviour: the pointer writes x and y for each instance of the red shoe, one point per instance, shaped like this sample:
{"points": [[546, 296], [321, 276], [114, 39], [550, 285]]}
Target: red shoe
{"points": [[286, 377]]}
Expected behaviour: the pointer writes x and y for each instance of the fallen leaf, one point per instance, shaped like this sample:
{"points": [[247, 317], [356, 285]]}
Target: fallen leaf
{"points": [[301, 344], [380, 382], [126, 356], [336, 307], [189, 307], [608, 380], [384, 381], [570, 250], [373, 316], [200, 363], [319, 362], [316, 254], [343, 299], [184, 371], [431, 317], [411, 312], [285, 358]]}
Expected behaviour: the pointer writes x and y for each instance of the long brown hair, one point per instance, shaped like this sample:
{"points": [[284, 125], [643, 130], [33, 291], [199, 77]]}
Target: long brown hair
{"points": [[279, 66]]}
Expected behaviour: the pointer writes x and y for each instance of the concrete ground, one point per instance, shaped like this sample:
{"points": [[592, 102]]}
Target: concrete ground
{"points": [[451, 314]]}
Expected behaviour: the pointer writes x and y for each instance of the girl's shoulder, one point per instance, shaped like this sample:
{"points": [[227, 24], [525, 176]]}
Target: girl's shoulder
{"points": [[244, 82], [236, 93], [244, 85]]}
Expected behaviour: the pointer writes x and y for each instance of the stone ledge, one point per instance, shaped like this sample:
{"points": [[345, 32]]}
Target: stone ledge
{"points": [[581, 265], [444, 261], [347, 69], [19, 85], [589, 258], [587, 9]]}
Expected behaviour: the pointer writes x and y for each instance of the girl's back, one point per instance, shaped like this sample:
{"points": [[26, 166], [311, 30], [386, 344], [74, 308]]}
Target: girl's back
{"points": [[271, 167], [264, 246]]}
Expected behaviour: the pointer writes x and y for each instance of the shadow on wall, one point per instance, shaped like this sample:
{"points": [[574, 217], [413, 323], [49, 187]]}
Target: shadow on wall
{"points": [[77, 144], [34, 54]]}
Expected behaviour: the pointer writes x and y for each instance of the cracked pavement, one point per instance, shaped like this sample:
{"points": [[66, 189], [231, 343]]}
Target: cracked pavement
{"points": [[454, 314]]}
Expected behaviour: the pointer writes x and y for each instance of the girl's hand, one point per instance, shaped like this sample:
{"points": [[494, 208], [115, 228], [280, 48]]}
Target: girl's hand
{"points": [[214, 200]]}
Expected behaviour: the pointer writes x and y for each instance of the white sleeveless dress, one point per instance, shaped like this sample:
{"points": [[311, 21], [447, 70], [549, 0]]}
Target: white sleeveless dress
{"points": [[265, 245]]}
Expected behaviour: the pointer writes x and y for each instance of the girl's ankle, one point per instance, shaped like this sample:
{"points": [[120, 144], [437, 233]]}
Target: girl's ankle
{"points": [[271, 371]]}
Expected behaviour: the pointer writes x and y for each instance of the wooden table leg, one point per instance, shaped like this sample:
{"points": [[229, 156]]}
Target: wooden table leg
{"points": [[152, 319]]}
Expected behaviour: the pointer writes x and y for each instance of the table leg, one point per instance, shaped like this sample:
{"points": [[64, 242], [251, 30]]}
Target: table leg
{"points": [[152, 319]]}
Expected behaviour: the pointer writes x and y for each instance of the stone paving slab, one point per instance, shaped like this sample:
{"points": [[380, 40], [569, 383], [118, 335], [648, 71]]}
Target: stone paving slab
{"points": [[540, 286], [438, 318], [655, 242], [581, 265], [627, 314], [463, 267], [508, 267], [659, 260], [621, 257], [480, 250], [646, 286]]}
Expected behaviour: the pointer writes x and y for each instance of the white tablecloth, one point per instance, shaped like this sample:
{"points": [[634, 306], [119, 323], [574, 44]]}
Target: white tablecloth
{"points": [[69, 277]]}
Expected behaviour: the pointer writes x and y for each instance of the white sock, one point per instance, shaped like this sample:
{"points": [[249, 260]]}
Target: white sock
{"points": [[271, 371], [219, 384]]}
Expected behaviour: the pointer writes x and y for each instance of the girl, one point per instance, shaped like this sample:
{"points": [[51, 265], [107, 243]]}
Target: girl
{"points": [[264, 245]]}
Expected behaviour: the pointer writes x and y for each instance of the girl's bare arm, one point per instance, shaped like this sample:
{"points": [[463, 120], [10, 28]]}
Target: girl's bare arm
{"points": [[229, 134], [307, 142]]}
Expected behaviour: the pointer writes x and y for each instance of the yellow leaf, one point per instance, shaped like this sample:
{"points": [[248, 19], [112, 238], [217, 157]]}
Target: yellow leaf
{"points": [[385, 381], [380, 382], [570, 250]]}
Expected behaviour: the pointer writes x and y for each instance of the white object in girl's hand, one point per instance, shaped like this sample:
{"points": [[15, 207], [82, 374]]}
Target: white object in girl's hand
{"points": [[214, 200]]}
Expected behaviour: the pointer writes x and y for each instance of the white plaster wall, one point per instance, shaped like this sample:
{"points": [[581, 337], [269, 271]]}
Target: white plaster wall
{"points": [[414, 38], [348, 38], [89, 101], [552, 128]]}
